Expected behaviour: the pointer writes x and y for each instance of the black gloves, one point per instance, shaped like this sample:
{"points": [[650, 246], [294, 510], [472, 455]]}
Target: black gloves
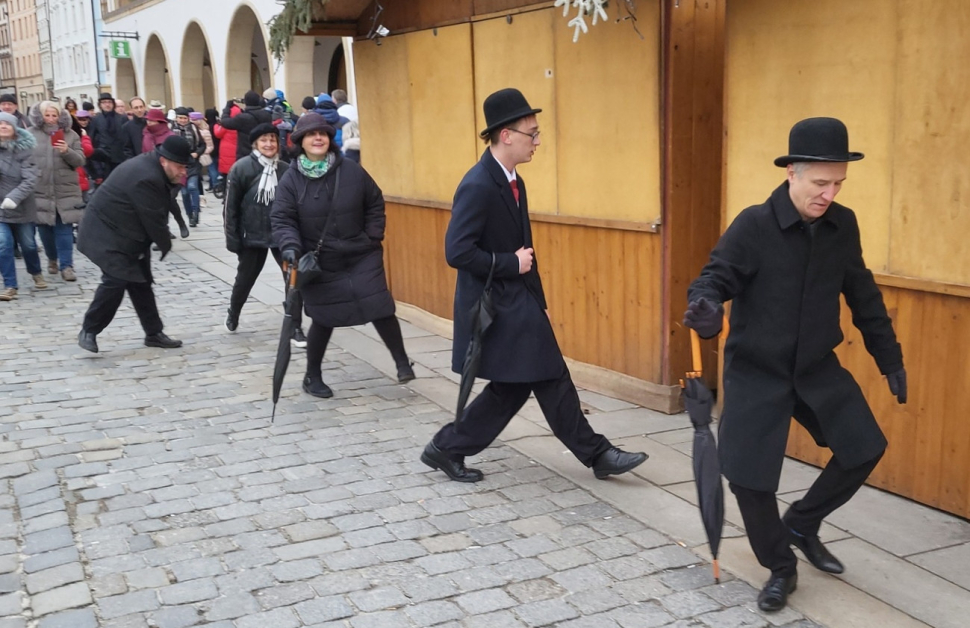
{"points": [[705, 317], [289, 256], [897, 385]]}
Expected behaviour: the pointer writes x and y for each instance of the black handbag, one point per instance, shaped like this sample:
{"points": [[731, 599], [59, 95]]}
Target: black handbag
{"points": [[308, 266]]}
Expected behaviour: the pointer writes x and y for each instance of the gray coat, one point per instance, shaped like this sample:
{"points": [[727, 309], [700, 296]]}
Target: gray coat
{"points": [[58, 190], [18, 176]]}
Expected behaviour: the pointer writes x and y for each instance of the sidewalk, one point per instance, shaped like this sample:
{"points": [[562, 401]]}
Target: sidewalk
{"points": [[145, 488]]}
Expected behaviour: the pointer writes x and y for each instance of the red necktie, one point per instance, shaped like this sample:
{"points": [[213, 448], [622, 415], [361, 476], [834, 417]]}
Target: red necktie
{"points": [[515, 190]]}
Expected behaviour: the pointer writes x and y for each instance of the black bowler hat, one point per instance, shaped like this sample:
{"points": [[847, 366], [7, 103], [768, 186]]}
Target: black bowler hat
{"points": [[105, 96], [504, 106], [818, 139], [176, 149]]}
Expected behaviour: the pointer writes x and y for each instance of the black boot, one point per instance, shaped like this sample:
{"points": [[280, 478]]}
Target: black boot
{"points": [[405, 373], [315, 386]]}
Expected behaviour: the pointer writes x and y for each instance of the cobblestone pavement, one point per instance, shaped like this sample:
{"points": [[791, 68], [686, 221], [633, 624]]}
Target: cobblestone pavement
{"points": [[142, 487]]}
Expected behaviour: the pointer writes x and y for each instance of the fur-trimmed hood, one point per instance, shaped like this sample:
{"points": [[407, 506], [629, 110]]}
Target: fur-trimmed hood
{"points": [[36, 118], [25, 141]]}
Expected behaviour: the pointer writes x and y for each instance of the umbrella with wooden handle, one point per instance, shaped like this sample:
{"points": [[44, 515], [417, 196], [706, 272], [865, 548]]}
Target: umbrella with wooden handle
{"points": [[283, 350]]}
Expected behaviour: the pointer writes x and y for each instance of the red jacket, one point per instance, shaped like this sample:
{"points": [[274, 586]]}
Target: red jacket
{"points": [[88, 149], [227, 149]]}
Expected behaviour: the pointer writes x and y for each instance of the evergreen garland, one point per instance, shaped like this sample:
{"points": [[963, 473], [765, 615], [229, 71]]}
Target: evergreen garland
{"points": [[295, 16]]}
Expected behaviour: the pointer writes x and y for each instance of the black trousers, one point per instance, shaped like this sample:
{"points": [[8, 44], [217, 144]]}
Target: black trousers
{"points": [[770, 535], [389, 329], [251, 261], [107, 300], [491, 411]]}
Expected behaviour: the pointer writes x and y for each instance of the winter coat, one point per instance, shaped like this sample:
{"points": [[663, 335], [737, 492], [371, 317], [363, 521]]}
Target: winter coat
{"points": [[88, 149], [107, 136], [128, 213], [227, 144], [353, 289], [133, 131], [154, 136], [58, 190], [243, 123], [18, 176], [246, 220], [328, 109], [520, 346], [784, 278], [191, 134]]}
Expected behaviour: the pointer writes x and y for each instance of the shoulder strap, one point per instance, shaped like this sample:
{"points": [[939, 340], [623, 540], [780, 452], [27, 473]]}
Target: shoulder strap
{"points": [[330, 214]]}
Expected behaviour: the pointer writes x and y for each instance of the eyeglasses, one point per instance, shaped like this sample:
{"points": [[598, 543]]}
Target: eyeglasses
{"points": [[534, 136]]}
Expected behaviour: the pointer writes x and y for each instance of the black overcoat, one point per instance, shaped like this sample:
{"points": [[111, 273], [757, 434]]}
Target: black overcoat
{"points": [[128, 213], [520, 346], [353, 288], [785, 277], [245, 219]]}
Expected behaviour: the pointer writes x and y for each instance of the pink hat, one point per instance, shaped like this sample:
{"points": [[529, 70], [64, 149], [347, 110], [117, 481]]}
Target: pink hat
{"points": [[195, 115], [82, 113], [156, 114]]}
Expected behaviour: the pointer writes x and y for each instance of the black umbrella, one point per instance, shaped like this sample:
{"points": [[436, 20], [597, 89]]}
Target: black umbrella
{"points": [[483, 313], [286, 333], [707, 470]]}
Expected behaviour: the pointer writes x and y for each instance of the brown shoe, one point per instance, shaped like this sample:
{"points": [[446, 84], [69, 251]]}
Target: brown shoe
{"points": [[8, 294], [39, 282], [52, 266], [68, 274]]}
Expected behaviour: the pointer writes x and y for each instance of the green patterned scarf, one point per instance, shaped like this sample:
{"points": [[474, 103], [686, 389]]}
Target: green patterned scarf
{"points": [[315, 169]]}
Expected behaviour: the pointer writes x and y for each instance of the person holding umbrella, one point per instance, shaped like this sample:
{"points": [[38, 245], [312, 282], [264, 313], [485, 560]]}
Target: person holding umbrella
{"points": [[489, 238], [784, 264]]}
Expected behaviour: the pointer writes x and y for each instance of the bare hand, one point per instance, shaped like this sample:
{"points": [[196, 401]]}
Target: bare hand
{"points": [[61, 146], [195, 155], [525, 260]]}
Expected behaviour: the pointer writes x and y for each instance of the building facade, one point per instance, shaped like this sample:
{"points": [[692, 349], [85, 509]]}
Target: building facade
{"points": [[6, 55], [79, 56], [200, 54], [25, 50]]}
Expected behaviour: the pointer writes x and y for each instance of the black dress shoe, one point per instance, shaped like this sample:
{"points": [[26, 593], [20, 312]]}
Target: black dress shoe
{"points": [[816, 553], [87, 341], [615, 461], [454, 469], [316, 387], [774, 596], [405, 373], [232, 320], [183, 231], [162, 341]]}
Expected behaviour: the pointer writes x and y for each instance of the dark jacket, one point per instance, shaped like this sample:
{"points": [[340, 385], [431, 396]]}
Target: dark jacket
{"points": [[18, 178], [243, 123], [520, 346], [128, 213], [785, 278], [107, 136], [246, 220], [353, 289], [133, 131]]}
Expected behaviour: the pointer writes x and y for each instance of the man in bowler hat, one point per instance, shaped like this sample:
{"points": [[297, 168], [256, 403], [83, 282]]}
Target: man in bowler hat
{"points": [[784, 264], [128, 214], [520, 354]]}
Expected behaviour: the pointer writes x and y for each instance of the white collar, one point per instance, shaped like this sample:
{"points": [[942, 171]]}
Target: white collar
{"points": [[508, 175]]}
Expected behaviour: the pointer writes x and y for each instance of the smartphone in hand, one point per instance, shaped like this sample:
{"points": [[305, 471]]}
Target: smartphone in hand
{"points": [[57, 136]]}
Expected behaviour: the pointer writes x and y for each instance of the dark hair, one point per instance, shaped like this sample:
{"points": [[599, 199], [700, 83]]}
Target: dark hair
{"points": [[87, 105], [211, 116], [309, 103]]}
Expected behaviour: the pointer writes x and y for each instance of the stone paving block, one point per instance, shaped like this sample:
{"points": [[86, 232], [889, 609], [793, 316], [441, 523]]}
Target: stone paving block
{"points": [[308, 549], [646, 615], [51, 558], [545, 612], [9, 563], [499, 619], [381, 598], [61, 598], [38, 496], [596, 600], [284, 595], [523, 569], [478, 578], [187, 592], [47, 540], [435, 612], [309, 530], [80, 618], [196, 568], [487, 601], [581, 579], [277, 618], [11, 604], [429, 588], [735, 617], [318, 610], [231, 606], [54, 577], [670, 556], [151, 578], [176, 617], [10, 583]]}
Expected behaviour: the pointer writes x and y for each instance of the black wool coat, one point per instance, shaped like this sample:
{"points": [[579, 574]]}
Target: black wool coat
{"points": [[243, 123], [133, 131], [520, 346], [353, 289], [246, 220], [785, 278], [128, 213]]}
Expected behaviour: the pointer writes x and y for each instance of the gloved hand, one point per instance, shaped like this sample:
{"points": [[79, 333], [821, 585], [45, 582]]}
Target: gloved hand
{"points": [[897, 385], [705, 317], [289, 256], [7, 204]]}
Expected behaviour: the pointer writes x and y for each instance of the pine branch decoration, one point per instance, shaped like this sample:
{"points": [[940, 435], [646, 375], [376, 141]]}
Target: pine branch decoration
{"points": [[297, 15]]}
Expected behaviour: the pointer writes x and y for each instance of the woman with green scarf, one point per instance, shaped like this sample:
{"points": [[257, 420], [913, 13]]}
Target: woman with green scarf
{"points": [[332, 207]]}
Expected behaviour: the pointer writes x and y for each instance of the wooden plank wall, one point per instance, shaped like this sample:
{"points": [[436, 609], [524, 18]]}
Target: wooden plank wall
{"points": [[602, 285], [929, 438]]}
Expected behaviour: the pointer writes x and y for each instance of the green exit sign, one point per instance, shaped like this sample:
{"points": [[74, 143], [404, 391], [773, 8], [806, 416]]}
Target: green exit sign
{"points": [[120, 49]]}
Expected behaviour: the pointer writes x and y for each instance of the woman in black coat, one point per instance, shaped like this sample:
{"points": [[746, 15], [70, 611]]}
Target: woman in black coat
{"points": [[252, 185], [330, 205]]}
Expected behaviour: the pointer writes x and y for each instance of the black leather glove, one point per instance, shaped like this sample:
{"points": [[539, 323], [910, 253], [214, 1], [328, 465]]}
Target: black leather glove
{"points": [[897, 385], [705, 317], [289, 256]]}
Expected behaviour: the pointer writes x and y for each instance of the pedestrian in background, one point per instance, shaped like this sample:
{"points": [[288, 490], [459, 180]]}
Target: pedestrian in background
{"points": [[58, 154], [155, 133], [212, 170], [331, 206], [250, 192], [785, 264], [107, 136], [252, 114], [133, 130], [205, 159], [184, 128], [18, 209]]}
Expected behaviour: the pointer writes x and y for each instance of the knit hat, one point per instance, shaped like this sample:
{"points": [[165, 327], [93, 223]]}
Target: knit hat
{"points": [[196, 115], [269, 94], [252, 99], [176, 149], [8, 98], [155, 114], [9, 118], [181, 111], [311, 122], [87, 105], [106, 96], [155, 104], [262, 129]]}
